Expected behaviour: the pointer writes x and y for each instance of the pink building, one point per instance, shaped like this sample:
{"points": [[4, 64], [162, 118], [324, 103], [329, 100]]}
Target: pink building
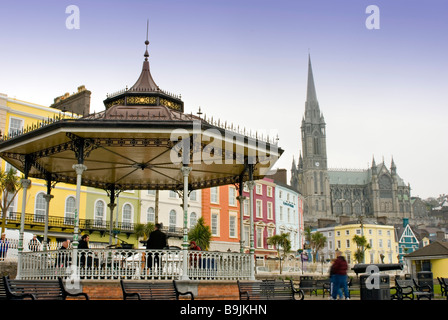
{"points": [[264, 217]]}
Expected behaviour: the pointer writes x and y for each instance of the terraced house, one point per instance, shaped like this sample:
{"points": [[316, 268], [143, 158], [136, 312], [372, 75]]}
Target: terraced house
{"points": [[380, 237]]}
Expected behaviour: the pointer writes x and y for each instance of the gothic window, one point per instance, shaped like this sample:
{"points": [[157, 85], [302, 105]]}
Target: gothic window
{"points": [[321, 183], [316, 144], [315, 183], [358, 210], [338, 207], [347, 208], [385, 185]]}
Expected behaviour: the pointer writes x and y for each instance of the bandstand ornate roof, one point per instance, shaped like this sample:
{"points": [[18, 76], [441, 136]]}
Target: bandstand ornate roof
{"points": [[136, 143]]}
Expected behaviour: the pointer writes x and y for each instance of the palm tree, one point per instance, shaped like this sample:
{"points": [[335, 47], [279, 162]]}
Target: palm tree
{"points": [[9, 187], [143, 230], [281, 241], [201, 234], [317, 243], [362, 246]]}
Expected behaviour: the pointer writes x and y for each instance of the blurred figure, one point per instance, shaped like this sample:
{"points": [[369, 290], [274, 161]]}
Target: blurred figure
{"points": [[4, 244], [339, 276]]}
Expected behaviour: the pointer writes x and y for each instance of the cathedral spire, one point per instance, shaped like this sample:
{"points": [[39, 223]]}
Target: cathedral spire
{"points": [[312, 110], [311, 89]]}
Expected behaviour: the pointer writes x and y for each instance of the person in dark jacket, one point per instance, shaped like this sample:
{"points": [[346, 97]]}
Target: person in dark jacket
{"points": [[156, 240], [338, 273], [84, 244]]}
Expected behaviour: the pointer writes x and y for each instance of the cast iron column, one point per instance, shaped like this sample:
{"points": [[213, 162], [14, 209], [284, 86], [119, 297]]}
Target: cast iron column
{"points": [[25, 185], [79, 168], [185, 172]]}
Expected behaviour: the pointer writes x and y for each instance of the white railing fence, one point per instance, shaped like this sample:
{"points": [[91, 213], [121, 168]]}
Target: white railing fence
{"points": [[108, 264]]}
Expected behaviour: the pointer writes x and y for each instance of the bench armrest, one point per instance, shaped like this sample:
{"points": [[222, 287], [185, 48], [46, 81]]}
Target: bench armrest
{"points": [[131, 294], [187, 293]]}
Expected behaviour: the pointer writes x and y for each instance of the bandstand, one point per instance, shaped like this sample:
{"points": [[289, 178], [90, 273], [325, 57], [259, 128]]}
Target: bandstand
{"points": [[143, 140]]}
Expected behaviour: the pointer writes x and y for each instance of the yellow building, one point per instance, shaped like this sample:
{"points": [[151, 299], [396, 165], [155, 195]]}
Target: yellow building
{"points": [[381, 238], [433, 257], [17, 116]]}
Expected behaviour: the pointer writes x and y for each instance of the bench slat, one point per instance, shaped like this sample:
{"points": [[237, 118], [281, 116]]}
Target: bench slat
{"points": [[37, 289], [151, 290]]}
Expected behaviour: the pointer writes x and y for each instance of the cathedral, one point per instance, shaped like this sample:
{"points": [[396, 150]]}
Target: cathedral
{"points": [[376, 192]]}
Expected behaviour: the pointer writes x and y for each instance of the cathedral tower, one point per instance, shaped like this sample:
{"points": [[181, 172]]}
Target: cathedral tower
{"points": [[313, 177]]}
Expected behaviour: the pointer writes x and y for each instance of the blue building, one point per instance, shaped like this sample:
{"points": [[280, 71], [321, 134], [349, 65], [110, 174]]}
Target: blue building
{"points": [[288, 216], [407, 240]]}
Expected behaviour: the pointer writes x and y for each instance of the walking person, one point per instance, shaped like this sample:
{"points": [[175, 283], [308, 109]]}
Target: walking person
{"points": [[156, 240], [339, 274], [33, 245], [4, 244]]}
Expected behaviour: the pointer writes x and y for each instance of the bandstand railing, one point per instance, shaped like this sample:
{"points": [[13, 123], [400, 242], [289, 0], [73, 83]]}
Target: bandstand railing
{"points": [[110, 264]]}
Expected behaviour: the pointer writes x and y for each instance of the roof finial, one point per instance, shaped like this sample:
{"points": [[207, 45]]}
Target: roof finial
{"points": [[147, 41]]}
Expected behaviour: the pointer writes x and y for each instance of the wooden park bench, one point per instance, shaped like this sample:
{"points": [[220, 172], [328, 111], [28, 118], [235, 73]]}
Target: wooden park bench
{"points": [[159, 290], [443, 286], [409, 289], [38, 289], [308, 283], [268, 290]]}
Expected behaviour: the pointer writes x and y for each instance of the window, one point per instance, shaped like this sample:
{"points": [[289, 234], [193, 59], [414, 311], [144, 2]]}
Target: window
{"points": [[215, 223], [380, 243], [193, 195], [232, 225], [347, 243], [232, 196], [193, 219], [269, 191], [172, 221], [246, 207], [173, 194], [150, 215], [99, 214], [270, 234], [289, 214], [15, 126], [40, 208], [281, 213], [259, 209], [246, 236], [258, 189], [347, 232], [127, 216], [270, 211], [152, 192], [12, 205], [214, 195], [259, 237]]}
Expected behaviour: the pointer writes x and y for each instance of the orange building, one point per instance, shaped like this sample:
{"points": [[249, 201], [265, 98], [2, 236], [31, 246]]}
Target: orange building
{"points": [[221, 211]]}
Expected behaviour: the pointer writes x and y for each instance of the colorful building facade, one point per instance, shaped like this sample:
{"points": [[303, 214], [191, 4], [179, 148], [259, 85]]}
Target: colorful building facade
{"points": [[263, 215], [381, 238], [221, 211]]}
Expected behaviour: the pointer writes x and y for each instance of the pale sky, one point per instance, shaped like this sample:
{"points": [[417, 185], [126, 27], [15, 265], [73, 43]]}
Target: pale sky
{"points": [[383, 92]]}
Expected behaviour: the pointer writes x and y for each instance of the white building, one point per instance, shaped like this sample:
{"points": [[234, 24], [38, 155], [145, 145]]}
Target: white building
{"points": [[170, 212]]}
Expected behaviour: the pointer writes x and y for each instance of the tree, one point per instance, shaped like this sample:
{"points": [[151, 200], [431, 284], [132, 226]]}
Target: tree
{"points": [[9, 187], [362, 245], [281, 241], [143, 230], [317, 243], [201, 234]]}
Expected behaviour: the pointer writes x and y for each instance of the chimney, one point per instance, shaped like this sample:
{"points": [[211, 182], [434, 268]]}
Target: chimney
{"points": [[344, 220], [405, 222], [382, 220]]}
